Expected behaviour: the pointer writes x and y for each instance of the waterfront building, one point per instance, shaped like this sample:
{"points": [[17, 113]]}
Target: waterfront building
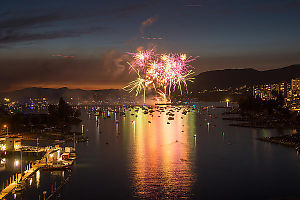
{"points": [[290, 92], [295, 93], [296, 84], [11, 144], [268, 91]]}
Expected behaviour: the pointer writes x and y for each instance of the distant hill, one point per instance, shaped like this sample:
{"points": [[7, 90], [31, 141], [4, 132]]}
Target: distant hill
{"points": [[238, 77], [53, 94], [221, 79]]}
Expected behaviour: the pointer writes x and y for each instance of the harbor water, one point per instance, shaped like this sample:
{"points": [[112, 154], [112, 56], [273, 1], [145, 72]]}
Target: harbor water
{"points": [[193, 156]]}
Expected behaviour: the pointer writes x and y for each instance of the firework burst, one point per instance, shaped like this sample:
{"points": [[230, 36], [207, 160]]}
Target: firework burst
{"points": [[161, 72]]}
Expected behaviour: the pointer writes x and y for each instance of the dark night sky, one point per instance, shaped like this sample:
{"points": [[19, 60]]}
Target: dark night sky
{"points": [[94, 37]]}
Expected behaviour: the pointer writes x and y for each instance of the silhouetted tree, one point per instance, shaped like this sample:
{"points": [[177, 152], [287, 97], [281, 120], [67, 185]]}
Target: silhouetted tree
{"points": [[62, 115]]}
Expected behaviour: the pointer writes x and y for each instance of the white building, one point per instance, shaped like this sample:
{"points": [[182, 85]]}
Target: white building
{"points": [[12, 143]]}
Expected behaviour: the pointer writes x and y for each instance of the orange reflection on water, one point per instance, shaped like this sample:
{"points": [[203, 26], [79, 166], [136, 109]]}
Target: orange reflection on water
{"points": [[161, 162]]}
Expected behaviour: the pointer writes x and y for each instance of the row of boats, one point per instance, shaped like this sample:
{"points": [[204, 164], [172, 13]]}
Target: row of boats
{"points": [[170, 111]]}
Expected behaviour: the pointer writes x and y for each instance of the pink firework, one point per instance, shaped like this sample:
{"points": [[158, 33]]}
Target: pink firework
{"points": [[141, 59], [163, 72]]}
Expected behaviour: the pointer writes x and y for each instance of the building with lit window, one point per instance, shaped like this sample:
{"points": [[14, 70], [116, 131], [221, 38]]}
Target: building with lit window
{"points": [[10, 144], [295, 94], [290, 92]]}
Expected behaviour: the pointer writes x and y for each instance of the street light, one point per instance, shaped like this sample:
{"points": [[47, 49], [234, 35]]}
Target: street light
{"points": [[44, 193], [227, 101], [5, 126]]}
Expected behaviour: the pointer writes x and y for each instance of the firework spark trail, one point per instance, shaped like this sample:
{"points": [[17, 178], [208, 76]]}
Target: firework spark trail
{"points": [[141, 59], [138, 85], [161, 72]]}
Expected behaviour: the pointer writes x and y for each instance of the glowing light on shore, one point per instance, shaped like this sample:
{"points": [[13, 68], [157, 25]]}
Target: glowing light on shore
{"points": [[38, 177], [17, 162]]}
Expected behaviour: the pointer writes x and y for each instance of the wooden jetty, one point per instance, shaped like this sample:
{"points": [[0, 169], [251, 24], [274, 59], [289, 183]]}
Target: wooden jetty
{"points": [[19, 178], [30, 170]]}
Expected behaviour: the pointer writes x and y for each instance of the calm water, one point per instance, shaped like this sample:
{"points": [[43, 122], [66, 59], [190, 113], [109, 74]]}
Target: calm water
{"points": [[135, 159]]}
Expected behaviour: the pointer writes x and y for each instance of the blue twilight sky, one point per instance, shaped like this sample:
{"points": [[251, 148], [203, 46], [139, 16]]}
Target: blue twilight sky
{"points": [[83, 44]]}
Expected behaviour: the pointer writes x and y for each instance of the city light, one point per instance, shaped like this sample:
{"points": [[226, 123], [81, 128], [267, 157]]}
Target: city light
{"points": [[38, 177], [6, 127], [227, 101], [288, 90], [17, 162], [2, 147], [6, 100], [17, 147]]}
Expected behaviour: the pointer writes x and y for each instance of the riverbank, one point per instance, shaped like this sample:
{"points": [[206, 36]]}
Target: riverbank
{"points": [[260, 120], [286, 140], [268, 125]]}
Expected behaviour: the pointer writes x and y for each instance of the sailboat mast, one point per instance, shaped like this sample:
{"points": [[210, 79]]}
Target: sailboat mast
{"points": [[21, 165], [74, 142]]}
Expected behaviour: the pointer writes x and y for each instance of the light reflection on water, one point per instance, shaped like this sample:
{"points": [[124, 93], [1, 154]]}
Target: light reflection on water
{"points": [[161, 165], [137, 159], [39, 183]]}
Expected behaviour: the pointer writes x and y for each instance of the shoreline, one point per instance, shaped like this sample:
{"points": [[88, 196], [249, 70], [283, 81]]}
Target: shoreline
{"points": [[265, 126], [285, 140], [259, 120]]}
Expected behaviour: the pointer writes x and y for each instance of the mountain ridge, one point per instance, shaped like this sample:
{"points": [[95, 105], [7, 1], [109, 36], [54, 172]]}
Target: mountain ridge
{"points": [[235, 78], [221, 79]]}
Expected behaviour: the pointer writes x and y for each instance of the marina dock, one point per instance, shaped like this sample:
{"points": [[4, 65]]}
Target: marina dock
{"points": [[28, 173], [43, 163]]}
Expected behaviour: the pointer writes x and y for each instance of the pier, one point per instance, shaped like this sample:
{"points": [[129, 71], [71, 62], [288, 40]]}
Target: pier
{"points": [[44, 163], [19, 178]]}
